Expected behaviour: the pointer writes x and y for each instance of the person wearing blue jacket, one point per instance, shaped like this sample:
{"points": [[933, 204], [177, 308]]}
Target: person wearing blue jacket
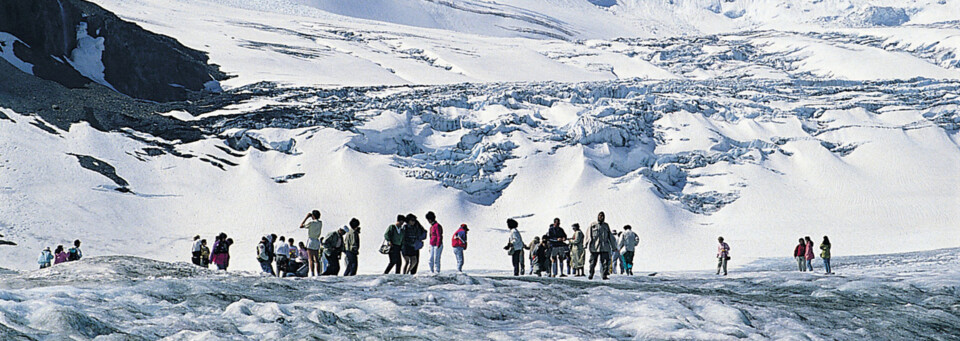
{"points": [[46, 257]]}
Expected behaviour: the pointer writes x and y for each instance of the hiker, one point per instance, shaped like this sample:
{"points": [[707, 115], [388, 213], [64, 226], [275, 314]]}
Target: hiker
{"points": [[263, 255], [195, 251], [292, 254], [351, 245], [615, 261], [60, 256], [436, 242], [515, 246], [226, 245], [314, 227], [459, 243], [220, 255], [723, 255], [808, 255], [204, 254], [413, 236], [557, 240], [45, 258], [393, 236], [599, 242], [282, 256], [74, 253], [628, 242], [824, 254], [799, 253], [332, 247], [534, 245], [577, 254], [542, 257]]}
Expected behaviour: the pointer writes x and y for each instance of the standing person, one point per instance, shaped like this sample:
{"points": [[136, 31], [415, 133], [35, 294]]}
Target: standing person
{"points": [[799, 254], [599, 242], [293, 253], [195, 251], [534, 245], [395, 238], [824, 254], [45, 258], [61, 256], [351, 243], [515, 246], [314, 227], [220, 256], [809, 253], [459, 243], [75, 253], [557, 240], [615, 260], [723, 255], [413, 236], [227, 243], [332, 247], [263, 256], [436, 242], [204, 254], [282, 257], [542, 256], [628, 242], [577, 254]]}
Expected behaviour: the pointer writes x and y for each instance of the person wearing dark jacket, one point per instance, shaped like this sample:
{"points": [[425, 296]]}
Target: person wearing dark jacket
{"points": [[413, 236], [395, 238], [332, 247], [798, 254], [542, 257], [351, 243], [557, 239]]}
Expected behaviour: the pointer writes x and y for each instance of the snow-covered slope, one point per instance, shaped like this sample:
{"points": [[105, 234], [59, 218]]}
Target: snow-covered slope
{"points": [[781, 121], [905, 296]]}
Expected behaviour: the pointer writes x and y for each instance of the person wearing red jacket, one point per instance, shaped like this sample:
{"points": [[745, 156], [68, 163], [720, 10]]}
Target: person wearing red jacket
{"points": [[436, 242], [798, 253], [459, 244]]}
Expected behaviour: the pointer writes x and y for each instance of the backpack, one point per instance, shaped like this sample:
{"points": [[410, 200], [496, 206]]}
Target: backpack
{"points": [[262, 252], [73, 254], [220, 248]]}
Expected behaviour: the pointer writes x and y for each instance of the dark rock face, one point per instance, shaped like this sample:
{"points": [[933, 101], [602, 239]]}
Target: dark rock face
{"points": [[137, 62]]}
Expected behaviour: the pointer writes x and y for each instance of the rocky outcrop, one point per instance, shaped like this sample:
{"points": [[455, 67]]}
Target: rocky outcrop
{"points": [[57, 34]]}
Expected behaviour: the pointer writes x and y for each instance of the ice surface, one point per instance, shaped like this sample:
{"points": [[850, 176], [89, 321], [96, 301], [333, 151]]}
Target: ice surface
{"points": [[894, 296]]}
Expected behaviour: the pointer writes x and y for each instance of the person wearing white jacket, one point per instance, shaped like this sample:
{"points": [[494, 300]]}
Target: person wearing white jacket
{"points": [[515, 246], [629, 242]]}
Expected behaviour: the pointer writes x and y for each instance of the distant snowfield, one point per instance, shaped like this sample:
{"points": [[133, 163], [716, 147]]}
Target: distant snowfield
{"points": [[897, 296], [762, 121]]}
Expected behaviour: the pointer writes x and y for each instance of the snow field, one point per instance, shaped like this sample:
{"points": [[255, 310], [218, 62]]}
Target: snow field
{"points": [[879, 297]]}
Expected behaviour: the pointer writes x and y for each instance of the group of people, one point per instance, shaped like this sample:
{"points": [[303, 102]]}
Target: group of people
{"points": [[58, 256], [555, 253], [403, 240], [202, 255], [804, 254], [555, 249]]}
